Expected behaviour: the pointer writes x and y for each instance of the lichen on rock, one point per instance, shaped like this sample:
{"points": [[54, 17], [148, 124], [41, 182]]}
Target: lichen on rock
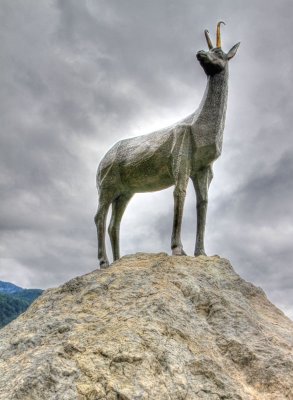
{"points": [[150, 327]]}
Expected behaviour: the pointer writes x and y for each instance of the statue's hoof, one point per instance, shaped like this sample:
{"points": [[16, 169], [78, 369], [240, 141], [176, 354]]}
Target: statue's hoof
{"points": [[178, 251], [104, 264], [199, 253]]}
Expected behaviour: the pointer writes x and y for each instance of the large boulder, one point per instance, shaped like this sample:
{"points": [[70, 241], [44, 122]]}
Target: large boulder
{"points": [[150, 327]]}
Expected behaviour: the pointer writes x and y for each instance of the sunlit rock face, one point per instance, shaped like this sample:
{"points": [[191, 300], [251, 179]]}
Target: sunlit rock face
{"points": [[151, 327]]}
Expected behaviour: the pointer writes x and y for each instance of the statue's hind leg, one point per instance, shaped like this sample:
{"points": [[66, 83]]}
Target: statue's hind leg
{"points": [[100, 221], [118, 208]]}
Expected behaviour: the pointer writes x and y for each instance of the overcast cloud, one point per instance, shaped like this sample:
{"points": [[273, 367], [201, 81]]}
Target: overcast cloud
{"points": [[76, 76]]}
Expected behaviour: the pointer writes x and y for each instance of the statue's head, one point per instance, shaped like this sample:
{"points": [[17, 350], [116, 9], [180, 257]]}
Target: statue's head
{"points": [[215, 59]]}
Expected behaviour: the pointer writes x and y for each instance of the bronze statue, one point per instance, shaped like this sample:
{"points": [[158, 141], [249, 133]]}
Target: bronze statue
{"points": [[168, 157]]}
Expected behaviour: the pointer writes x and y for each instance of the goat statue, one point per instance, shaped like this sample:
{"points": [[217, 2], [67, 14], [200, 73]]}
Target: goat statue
{"points": [[168, 157]]}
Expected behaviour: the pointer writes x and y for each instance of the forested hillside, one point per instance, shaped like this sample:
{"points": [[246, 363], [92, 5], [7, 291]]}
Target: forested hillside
{"points": [[14, 301]]}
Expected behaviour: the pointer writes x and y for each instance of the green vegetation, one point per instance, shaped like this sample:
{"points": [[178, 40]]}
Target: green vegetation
{"points": [[11, 305]]}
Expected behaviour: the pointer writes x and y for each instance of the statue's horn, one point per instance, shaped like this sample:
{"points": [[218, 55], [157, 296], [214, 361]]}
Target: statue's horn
{"points": [[209, 42], [219, 33]]}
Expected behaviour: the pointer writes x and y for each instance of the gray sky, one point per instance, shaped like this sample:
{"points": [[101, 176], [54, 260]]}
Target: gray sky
{"points": [[76, 76]]}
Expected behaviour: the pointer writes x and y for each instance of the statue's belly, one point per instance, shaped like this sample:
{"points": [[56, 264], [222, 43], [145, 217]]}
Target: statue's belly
{"points": [[147, 176], [144, 162]]}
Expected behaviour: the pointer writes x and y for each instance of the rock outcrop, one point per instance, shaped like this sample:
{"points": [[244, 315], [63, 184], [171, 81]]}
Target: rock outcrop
{"points": [[150, 327]]}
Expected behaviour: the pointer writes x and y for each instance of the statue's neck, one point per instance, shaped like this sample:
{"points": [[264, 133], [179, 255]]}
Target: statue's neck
{"points": [[214, 102]]}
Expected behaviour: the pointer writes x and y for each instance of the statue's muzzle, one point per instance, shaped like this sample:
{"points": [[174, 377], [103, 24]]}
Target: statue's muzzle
{"points": [[201, 55]]}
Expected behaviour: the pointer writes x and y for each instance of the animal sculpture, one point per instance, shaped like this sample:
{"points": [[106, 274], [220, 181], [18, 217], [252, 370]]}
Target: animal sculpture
{"points": [[169, 157]]}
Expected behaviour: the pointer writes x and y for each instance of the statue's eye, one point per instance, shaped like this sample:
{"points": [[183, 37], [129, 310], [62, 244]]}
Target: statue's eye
{"points": [[219, 53]]}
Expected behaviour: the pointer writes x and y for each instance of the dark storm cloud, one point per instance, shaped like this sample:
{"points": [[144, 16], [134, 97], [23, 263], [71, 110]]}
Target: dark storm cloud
{"points": [[78, 76]]}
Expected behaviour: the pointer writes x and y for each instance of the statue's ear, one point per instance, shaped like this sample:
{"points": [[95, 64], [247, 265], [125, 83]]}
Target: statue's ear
{"points": [[233, 51]]}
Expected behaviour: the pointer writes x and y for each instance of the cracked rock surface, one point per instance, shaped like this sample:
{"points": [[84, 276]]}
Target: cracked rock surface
{"points": [[150, 327]]}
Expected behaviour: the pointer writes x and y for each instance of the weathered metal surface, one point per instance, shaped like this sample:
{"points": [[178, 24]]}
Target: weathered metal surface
{"points": [[168, 157]]}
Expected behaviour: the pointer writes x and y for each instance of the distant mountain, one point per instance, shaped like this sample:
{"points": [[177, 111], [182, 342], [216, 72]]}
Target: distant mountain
{"points": [[14, 300], [9, 288]]}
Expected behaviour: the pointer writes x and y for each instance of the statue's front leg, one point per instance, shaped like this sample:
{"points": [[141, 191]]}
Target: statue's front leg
{"points": [[201, 183], [179, 198]]}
